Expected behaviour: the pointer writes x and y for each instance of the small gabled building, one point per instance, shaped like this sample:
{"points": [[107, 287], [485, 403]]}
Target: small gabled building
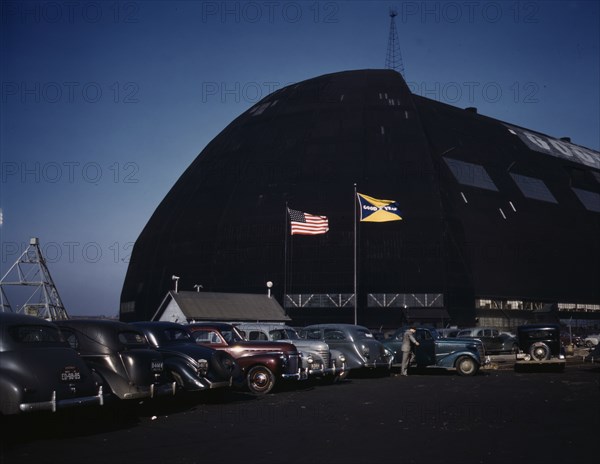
{"points": [[185, 307]]}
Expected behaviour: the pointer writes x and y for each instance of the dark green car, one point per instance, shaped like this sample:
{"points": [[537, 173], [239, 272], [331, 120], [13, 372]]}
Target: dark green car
{"points": [[464, 355]]}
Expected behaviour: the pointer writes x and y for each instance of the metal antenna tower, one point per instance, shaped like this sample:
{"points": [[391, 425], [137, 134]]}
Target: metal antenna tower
{"points": [[31, 271], [393, 59]]}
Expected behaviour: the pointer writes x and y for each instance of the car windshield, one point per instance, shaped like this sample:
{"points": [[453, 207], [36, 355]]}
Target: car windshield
{"points": [[176, 336], [132, 339], [284, 334], [362, 333], [435, 333], [232, 335]]}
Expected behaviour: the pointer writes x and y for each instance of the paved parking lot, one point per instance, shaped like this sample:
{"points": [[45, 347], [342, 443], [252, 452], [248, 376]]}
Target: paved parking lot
{"points": [[428, 417]]}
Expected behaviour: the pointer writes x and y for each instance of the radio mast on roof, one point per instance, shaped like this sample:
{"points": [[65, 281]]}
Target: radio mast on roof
{"points": [[393, 59]]}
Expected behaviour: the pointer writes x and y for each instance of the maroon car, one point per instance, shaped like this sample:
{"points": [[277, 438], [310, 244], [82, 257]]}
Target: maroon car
{"points": [[262, 363]]}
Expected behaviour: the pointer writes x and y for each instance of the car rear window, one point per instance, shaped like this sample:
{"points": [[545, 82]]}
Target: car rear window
{"points": [[37, 334]]}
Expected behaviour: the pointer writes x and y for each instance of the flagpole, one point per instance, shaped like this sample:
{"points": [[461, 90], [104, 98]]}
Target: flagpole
{"points": [[285, 252], [355, 263]]}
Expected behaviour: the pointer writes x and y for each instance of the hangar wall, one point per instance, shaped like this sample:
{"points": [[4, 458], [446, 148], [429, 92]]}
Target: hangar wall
{"points": [[487, 212]]}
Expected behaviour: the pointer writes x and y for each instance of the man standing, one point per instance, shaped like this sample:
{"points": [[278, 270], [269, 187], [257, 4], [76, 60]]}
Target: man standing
{"points": [[407, 339]]}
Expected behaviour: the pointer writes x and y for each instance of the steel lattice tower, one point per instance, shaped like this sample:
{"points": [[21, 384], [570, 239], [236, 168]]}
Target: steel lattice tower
{"points": [[31, 271], [393, 59]]}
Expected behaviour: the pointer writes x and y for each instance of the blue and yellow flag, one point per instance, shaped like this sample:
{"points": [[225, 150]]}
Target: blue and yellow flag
{"points": [[374, 210]]}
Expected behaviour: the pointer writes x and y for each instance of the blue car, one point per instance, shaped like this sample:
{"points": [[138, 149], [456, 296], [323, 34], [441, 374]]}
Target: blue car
{"points": [[464, 355]]}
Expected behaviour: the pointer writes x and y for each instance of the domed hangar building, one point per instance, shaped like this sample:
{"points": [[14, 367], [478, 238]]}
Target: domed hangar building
{"points": [[497, 220]]}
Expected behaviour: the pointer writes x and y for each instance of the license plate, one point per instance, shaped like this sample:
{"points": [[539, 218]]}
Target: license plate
{"points": [[70, 374], [157, 365]]}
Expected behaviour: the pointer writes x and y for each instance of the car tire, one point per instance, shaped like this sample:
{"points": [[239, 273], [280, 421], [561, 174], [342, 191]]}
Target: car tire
{"points": [[466, 366], [260, 380], [539, 351]]}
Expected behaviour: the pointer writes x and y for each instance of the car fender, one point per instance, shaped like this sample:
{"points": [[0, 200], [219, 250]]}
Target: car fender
{"points": [[395, 348], [335, 357], [449, 360], [188, 374], [111, 381], [270, 360], [11, 393], [353, 359]]}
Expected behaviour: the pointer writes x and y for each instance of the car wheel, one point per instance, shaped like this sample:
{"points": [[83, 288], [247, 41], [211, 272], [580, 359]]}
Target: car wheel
{"points": [[260, 380], [539, 351], [465, 365]]}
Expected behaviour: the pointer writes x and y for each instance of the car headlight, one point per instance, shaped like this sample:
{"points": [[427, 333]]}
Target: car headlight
{"points": [[342, 358], [310, 359], [202, 366], [365, 351], [229, 364]]}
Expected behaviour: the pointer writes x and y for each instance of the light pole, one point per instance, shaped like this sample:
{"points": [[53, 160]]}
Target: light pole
{"points": [[269, 286]]}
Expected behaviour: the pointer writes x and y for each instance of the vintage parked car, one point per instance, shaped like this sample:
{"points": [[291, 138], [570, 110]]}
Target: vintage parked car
{"points": [[193, 367], [594, 355], [494, 341], [262, 363], [591, 340], [465, 355], [567, 339], [540, 345], [357, 343], [39, 371], [318, 360], [448, 332], [130, 368]]}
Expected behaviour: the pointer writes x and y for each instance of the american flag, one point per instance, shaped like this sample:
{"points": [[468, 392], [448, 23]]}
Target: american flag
{"points": [[307, 224]]}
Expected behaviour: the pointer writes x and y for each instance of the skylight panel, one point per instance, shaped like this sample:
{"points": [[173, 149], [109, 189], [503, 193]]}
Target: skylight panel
{"points": [[471, 174], [533, 188], [591, 200]]}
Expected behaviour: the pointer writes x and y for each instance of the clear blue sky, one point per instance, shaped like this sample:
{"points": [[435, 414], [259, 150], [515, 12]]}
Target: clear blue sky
{"points": [[106, 103]]}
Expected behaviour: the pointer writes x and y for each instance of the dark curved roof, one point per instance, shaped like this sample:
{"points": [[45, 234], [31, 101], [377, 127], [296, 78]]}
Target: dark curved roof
{"points": [[490, 209]]}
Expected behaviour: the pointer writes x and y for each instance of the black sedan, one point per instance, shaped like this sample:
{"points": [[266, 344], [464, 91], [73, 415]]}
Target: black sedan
{"points": [[192, 366], [118, 352], [39, 371], [495, 342]]}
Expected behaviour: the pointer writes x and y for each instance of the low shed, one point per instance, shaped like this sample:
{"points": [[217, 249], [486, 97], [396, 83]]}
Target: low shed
{"points": [[211, 306]]}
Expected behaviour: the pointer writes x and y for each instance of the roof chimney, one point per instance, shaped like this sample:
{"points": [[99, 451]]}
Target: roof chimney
{"points": [[566, 139], [471, 109]]}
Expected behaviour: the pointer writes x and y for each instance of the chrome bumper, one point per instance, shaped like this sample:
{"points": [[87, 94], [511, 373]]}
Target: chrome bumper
{"points": [[300, 375], [53, 404]]}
